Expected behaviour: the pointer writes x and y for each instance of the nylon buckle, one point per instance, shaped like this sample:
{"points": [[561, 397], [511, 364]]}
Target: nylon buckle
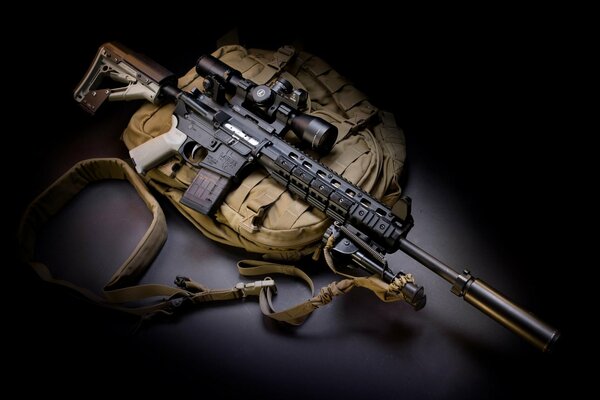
{"points": [[254, 288], [177, 303]]}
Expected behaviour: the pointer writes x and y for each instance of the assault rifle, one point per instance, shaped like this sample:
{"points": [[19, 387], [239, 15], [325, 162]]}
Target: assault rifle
{"points": [[238, 124]]}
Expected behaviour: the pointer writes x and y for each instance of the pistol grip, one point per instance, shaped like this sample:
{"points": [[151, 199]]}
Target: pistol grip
{"points": [[151, 153], [207, 191]]}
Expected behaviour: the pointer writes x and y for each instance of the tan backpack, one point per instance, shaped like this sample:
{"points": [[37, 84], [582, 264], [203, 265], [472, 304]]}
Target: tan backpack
{"points": [[259, 215]]}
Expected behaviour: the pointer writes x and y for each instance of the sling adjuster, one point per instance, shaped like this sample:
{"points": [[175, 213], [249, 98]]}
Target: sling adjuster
{"points": [[254, 288]]}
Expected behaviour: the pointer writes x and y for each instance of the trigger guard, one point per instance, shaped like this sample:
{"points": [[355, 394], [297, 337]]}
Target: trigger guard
{"points": [[190, 155]]}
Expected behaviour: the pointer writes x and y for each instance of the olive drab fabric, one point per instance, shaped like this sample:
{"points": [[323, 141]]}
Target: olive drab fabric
{"points": [[260, 215]]}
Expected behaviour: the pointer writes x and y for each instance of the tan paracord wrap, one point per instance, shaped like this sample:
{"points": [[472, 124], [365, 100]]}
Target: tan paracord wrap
{"points": [[297, 314]]}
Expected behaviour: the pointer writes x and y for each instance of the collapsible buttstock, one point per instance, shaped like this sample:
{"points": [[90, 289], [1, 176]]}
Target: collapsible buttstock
{"points": [[142, 78]]}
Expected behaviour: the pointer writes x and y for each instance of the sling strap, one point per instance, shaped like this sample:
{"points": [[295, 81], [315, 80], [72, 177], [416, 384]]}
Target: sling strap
{"points": [[116, 293], [67, 187], [119, 291], [297, 314]]}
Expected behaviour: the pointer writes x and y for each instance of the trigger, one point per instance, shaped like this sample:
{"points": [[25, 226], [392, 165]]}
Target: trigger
{"points": [[197, 154], [194, 150]]}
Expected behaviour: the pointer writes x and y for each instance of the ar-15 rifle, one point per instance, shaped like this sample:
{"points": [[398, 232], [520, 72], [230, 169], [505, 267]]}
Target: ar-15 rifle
{"points": [[239, 124]]}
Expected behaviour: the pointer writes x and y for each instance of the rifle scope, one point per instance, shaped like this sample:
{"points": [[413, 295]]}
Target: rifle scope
{"points": [[280, 100]]}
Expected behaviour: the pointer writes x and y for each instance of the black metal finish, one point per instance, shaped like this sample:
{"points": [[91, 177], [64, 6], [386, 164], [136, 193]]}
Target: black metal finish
{"points": [[488, 300], [209, 65], [495, 305], [280, 106], [428, 260]]}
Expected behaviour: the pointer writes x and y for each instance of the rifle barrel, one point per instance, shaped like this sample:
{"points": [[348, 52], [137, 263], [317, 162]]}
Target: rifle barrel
{"points": [[488, 300]]}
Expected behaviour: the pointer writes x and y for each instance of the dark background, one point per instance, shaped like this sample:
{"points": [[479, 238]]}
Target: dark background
{"points": [[487, 107]]}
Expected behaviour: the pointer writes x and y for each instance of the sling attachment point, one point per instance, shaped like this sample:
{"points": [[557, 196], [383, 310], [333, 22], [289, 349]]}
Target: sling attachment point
{"points": [[399, 282]]}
